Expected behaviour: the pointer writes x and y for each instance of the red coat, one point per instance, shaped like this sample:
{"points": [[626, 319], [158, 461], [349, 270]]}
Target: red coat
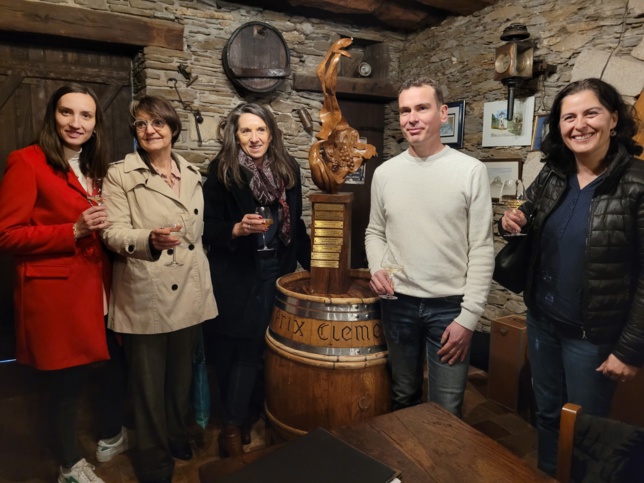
{"points": [[59, 285]]}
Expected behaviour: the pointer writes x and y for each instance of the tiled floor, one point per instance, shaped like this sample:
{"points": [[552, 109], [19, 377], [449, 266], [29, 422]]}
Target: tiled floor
{"points": [[23, 457]]}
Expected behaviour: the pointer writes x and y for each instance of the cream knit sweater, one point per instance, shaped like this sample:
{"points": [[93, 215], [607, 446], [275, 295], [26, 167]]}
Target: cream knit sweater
{"points": [[436, 212]]}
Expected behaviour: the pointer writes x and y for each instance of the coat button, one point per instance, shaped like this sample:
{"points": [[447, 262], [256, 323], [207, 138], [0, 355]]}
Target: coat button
{"points": [[175, 286], [196, 211], [170, 250], [191, 247], [130, 248]]}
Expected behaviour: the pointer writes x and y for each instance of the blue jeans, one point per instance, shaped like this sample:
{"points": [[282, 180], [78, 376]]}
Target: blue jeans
{"points": [[413, 325], [563, 370]]}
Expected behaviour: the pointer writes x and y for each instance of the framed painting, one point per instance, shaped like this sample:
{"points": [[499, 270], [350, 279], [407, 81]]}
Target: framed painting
{"points": [[498, 131], [500, 170], [539, 131], [452, 128]]}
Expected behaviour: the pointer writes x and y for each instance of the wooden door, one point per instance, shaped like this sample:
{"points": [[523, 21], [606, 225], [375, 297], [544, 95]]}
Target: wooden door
{"points": [[29, 74], [368, 118]]}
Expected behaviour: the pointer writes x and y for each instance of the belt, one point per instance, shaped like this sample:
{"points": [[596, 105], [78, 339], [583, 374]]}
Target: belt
{"points": [[571, 330]]}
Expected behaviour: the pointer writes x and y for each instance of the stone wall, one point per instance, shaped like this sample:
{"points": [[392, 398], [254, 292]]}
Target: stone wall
{"points": [[208, 25], [583, 38]]}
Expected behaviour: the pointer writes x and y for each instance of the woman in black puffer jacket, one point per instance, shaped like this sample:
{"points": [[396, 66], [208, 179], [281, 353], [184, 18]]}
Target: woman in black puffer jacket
{"points": [[585, 293]]}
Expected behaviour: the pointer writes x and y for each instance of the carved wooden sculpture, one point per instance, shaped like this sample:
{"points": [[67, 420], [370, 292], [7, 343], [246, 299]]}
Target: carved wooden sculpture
{"points": [[338, 150]]}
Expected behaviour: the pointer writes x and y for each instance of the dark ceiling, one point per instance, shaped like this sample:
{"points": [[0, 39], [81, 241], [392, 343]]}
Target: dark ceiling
{"points": [[408, 15]]}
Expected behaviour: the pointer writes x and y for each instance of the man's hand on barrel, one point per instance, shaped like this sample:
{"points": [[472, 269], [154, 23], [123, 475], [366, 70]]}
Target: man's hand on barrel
{"points": [[381, 283]]}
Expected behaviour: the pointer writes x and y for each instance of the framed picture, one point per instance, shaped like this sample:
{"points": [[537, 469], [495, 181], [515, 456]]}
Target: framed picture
{"points": [[498, 131], [357, 177], [452, 129], [540, 130], [500, 170]]}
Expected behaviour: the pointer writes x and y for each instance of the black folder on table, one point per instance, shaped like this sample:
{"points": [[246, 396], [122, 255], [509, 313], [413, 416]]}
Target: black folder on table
{"points": [[317, 457]]}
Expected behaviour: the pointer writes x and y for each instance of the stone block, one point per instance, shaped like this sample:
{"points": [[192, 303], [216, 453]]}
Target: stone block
{"points": [[626, 75], [636, 8], [589, 63], [638, 52], [572, 42]]}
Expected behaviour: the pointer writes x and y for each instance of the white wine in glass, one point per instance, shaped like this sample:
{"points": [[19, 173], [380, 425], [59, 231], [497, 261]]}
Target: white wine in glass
{"points": [[178, 229], [513, 196], [95, 193], [267, 219], [392, 266]]}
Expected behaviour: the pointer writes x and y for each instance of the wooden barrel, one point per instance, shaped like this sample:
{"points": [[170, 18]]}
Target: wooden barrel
{"points": [[256, 57], [326, 358]]}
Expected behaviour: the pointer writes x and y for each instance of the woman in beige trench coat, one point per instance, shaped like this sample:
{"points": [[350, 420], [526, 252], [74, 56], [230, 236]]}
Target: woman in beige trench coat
{"points": [[155, 205]]}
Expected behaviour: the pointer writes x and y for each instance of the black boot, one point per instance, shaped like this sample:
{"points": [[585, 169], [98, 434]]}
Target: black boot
{"points": [[230, 441]]}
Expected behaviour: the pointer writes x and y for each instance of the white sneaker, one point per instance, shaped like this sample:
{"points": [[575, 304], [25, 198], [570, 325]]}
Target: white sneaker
{"points": [[81, 472], [106, 451]]}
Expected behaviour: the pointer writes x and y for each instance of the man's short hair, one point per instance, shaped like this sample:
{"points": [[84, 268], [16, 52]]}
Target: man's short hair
{"points": [[424, 81]]}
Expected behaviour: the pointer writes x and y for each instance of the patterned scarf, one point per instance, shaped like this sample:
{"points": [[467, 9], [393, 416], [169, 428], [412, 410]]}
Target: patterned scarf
{"points": [[267, 190]]}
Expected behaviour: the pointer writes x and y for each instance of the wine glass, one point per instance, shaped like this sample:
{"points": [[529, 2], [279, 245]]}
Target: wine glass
{"points": [[391, 265], [512, 194], [95, 191], [177, 226], [267, 217]]}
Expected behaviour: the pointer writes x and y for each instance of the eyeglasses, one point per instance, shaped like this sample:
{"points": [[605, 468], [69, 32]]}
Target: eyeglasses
{"points": [[141, 125]]}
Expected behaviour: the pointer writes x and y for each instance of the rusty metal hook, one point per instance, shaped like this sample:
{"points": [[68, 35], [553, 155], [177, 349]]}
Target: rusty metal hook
{"points": [[195, 112]]}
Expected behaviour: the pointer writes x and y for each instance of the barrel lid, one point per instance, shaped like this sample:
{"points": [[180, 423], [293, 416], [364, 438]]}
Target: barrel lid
{"points": [[256, 57]]}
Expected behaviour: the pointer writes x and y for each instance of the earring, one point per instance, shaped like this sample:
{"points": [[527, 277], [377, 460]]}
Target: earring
{"points": [[613, 133]]}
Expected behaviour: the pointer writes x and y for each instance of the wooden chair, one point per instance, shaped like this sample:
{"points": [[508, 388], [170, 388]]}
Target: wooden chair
{"points": [[566, 441], [599, 448]]}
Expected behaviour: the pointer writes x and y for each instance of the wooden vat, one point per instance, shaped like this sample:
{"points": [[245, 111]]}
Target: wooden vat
{"points": [[256, 57], [326, 358]]}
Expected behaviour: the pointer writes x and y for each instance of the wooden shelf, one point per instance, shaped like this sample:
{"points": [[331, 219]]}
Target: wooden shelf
{"points": [[349, 87]]}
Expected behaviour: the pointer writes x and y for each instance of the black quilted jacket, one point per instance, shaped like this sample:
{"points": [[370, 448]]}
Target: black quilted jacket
{"points": [[613, 294]]}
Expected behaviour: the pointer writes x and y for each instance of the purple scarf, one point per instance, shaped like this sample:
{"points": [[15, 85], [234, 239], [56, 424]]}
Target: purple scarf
{"points": [[267, 190]]}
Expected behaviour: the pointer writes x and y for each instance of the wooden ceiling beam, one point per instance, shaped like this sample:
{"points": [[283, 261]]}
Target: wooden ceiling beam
{"points": [[80, 23], [461, 7], [340, 6]]}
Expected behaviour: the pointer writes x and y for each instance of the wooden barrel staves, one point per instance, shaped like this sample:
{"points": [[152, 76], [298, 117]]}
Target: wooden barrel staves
{"points": [[256, 57], [326, 358]]}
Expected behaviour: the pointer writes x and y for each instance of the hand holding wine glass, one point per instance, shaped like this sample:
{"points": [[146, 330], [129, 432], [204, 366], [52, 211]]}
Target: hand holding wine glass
{"points": [[391, 264], [177, 230], [267, 218], [95, 193], [512, 194]]}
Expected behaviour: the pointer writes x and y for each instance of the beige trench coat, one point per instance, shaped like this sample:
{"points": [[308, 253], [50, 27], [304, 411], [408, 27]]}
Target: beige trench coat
{"points": [[148, 297]]}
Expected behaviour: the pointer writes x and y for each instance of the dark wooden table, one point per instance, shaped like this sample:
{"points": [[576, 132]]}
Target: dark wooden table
{"points": [[426, 443]]}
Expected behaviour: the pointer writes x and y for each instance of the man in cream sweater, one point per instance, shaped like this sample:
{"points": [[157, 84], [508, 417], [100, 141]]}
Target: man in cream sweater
{"points": [[431, 207]]}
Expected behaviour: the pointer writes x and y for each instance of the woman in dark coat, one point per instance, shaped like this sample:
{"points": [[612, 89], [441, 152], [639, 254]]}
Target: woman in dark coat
{"points": [[252, 169], [585, 290]]}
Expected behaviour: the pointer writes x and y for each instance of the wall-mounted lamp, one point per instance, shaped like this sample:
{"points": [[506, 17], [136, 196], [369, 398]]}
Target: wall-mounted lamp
{"points": [[514, 62], [187, 75]]}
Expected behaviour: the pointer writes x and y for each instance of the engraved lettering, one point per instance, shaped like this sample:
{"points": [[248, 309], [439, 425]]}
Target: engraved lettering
{"points": [[321, 328], [362, 332], [346, 330], [282, 320], [333, 334], [298, 329], [377, 331]]}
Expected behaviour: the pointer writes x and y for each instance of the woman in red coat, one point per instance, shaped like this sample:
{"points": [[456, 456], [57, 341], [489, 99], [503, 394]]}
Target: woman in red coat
{"points": [[48, 224]]}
